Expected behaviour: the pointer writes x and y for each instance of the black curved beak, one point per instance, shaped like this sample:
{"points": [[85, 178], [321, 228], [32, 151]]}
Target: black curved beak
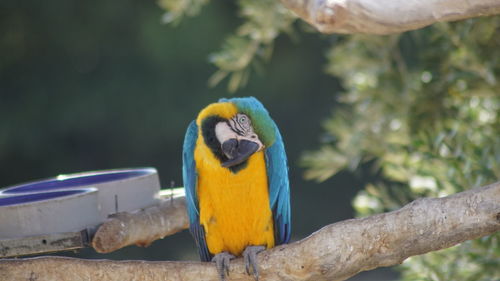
{"points": [[238, 151]]}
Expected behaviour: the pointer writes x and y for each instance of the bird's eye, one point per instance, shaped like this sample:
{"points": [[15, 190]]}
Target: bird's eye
{"points": [[243, 119]]}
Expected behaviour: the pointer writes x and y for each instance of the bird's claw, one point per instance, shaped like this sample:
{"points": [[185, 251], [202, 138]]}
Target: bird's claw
{"points": [[222, 261], [250, 256]]}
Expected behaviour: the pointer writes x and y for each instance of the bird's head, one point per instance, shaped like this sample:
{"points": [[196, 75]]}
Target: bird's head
{"points": [[234, 129]]}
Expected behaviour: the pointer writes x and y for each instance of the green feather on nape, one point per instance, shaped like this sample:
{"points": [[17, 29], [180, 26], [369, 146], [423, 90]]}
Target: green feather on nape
{"points": [[262, 123]]}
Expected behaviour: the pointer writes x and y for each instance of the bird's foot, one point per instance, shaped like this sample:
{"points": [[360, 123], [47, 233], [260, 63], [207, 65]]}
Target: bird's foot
{"points": [[250, 256], [222, 261]]}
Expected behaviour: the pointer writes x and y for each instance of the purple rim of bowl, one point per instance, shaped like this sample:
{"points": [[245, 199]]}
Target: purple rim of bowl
{"points": [[35, 197], [76, 180]]}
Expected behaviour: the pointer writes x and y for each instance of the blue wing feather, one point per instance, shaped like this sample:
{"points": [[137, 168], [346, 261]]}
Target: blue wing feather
{"points": [[190, 181], [279, 188]]}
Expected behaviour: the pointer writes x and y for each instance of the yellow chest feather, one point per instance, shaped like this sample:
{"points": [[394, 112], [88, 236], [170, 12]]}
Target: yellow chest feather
{"points": [[234, 207]]}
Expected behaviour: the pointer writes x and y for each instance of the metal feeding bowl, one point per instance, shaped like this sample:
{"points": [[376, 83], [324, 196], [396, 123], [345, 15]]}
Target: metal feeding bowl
{"points": [[74, 202]]}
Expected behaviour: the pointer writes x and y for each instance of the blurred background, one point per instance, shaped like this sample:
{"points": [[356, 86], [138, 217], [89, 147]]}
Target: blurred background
{"points": [[372, 122]]}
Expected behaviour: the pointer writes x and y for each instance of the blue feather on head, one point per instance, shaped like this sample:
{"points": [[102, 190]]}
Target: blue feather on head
{"points": [[261, 120]]}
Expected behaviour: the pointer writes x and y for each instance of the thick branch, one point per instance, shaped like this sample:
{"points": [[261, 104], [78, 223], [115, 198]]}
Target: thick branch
{"points": [[335, 252], [386, 16], [142, 227]]}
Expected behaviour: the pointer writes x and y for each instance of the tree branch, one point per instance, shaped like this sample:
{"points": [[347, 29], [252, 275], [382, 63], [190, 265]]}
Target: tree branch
{"points": [[336, 252], [142, 227], [386, 16]]}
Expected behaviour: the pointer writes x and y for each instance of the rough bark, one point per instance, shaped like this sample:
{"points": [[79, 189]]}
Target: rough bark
{"points": [[386, 16], [335, 252], [143, 227]]}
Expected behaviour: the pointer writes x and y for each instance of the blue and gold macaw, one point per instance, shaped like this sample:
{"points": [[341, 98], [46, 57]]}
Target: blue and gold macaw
{"points": [[236, 180]]}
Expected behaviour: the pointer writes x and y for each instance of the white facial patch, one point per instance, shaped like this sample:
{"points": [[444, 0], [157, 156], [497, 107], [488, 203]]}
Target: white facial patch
{"points": [[224, 132], [239, 128]]}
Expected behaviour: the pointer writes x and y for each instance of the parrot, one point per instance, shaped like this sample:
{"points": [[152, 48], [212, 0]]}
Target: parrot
{"points": [[236, 182]]}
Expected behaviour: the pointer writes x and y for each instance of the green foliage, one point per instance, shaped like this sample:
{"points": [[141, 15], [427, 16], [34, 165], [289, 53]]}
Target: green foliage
{"points": [[424, 107], [252, 42], [421, 107], [178, 9]]}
